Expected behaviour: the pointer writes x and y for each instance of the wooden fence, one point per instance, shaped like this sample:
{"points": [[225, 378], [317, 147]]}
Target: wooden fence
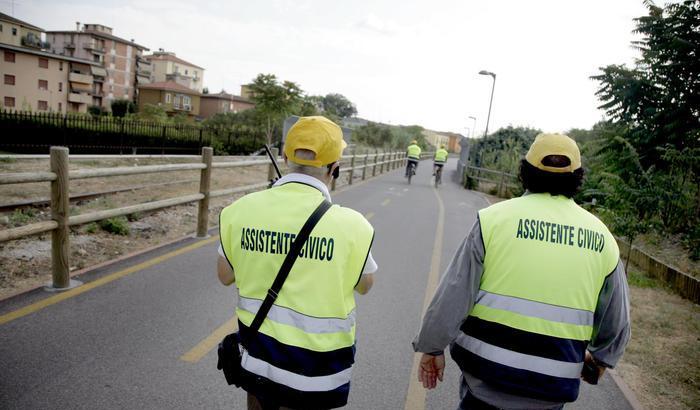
{"points": [[505, 184], [354, 166], [682, 283]]}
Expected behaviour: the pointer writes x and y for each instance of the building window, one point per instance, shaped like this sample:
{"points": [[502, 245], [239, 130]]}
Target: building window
{"points": [[60, 87], [14, 31], [168, 98], [9, 79], [10, 102], [60, 107], [42, 105], [60, 66], [0, 28], [185, 72], [43, 85], [9, 57], [43, 62]]}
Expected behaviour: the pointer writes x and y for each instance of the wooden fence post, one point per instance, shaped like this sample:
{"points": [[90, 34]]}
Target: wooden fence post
{"points": [[271, 174], [501, 192], [364, 167], [381, 166], [60, 208], [395, 160], [204, 188], [351, 174], [376, 159]]}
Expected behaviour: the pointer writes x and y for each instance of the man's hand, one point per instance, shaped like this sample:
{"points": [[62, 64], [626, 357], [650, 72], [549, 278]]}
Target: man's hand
{"points": [[431, 370], [596, 374]]}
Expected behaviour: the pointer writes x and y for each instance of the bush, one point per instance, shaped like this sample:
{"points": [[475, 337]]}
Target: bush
{"points": [[95, 110], [118, 225], [122, 107]]}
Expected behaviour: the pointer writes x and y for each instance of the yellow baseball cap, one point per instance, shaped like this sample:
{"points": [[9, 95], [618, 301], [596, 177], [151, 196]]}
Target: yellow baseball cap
{"points": [[554, 144], [317, 134]]}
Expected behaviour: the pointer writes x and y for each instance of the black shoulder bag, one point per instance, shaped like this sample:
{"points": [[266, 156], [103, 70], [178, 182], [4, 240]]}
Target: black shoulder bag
{"points": [[229, 352]]}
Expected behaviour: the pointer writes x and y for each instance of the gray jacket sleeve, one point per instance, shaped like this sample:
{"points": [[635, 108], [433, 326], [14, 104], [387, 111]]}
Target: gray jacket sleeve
{"points": [[454, 297], [611, 321]]}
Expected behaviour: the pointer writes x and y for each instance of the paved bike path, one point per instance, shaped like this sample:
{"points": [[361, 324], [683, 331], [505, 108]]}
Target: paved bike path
{"points": [[120, 344]]}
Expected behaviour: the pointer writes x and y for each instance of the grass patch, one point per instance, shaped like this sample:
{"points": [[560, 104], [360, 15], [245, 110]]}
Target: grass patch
{"points": [[22, 216], [640, 280], [92, 227], [661, 363], [118, 225], [7, 160]]}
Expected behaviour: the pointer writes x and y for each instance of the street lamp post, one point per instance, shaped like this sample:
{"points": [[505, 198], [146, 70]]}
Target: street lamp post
{"points": [[488, 118], [474, 126]]}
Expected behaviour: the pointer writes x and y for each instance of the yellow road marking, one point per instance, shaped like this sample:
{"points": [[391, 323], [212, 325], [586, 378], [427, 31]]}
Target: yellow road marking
{"points": [[369, 215], [386, 202], [209, 342], [415, 397], [34, 307]]}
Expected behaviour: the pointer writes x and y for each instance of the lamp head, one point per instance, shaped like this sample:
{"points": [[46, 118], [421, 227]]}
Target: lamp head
{"points": [[484, 72]]}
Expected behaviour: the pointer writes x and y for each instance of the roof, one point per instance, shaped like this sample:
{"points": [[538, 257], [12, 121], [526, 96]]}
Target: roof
{"points": [[169, 86], [99, 34], [27, 50], [171, 57], [226, 96], [11, 19]]}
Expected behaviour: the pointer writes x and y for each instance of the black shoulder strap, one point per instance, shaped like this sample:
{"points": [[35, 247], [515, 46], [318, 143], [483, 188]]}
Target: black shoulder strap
{"points": [[288, 263]]}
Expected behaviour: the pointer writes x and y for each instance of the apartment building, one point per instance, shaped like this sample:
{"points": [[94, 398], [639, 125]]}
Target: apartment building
{"points": [[19, 33], [34, 79], [117, 61], [222, 103], [166, 66], [175, 98]]}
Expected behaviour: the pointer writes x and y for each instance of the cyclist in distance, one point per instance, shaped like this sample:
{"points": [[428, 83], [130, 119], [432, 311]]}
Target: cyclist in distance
{"points": [[413, 151], [439, 160]]}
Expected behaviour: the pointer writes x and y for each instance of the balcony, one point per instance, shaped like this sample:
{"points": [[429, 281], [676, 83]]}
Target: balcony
{"points": [[30, 40], [80, 78], [79, 98], [69, 45], [94, 48]]}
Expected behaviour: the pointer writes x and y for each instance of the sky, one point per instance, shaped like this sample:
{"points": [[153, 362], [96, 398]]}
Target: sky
{"points": [[400, 62]]}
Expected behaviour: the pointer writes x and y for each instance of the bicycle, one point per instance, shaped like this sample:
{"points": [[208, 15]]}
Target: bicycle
{"points": [[411, 171], [438, 176]]}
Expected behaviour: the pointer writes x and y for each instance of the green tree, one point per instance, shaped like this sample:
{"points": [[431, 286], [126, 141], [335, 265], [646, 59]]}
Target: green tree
{"points": [[275, 101], [338, 106], [656, 104], [122, 107], [504, 149], [152, 112]]}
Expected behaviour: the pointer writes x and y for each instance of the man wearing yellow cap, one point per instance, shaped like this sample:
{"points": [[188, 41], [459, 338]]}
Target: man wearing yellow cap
{"points": [[413, 156], [535, 299], [302, 354]]}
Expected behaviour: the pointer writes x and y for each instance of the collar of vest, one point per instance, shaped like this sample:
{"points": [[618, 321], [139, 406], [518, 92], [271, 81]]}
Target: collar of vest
{"points": [[306, 180]]}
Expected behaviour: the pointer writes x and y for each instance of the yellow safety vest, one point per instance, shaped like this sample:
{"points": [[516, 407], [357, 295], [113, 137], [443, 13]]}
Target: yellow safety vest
{"points": [[546, 260], [441, 156], [311, 325], [414, 151]]}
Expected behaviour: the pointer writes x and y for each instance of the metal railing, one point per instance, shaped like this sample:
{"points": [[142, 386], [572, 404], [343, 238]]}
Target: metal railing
{"points": [[60, 176]]}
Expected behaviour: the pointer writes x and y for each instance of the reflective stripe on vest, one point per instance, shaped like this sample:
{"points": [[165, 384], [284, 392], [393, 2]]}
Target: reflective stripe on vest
{"points": [[414, 151], [302, 322], [517, 360], [545, 262], [535, 309], [293, 380]]}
